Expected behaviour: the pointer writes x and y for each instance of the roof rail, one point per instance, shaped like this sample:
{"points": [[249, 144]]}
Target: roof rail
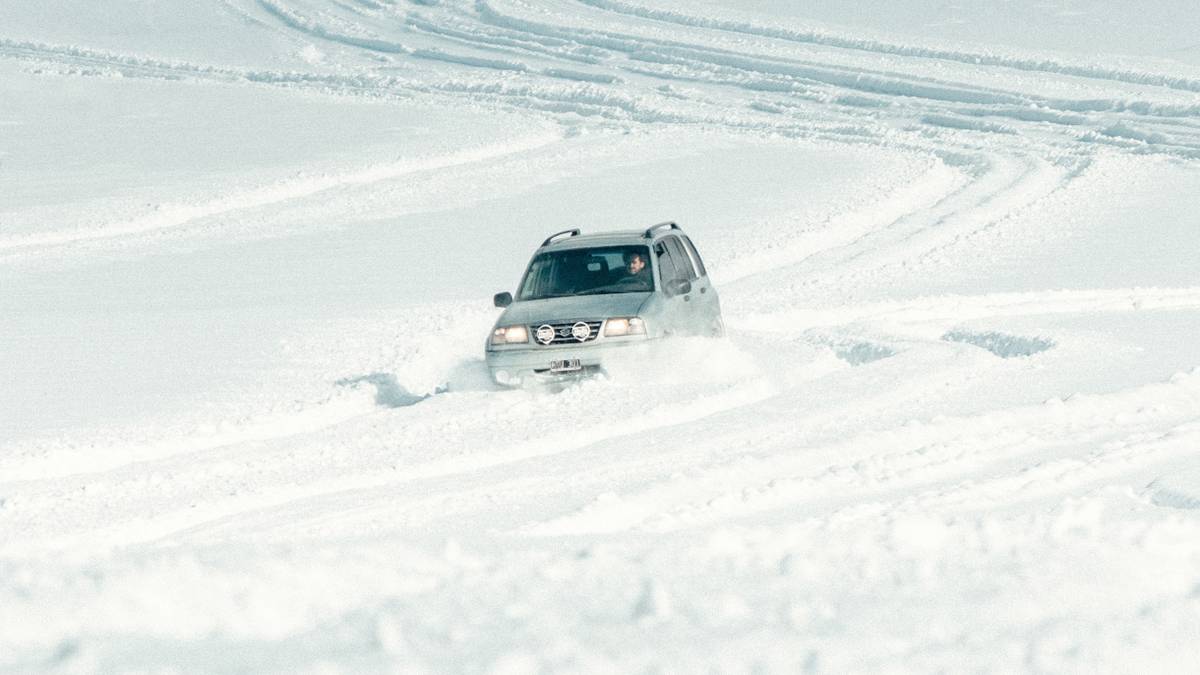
{"points": [[572, 233], [649, 233]]}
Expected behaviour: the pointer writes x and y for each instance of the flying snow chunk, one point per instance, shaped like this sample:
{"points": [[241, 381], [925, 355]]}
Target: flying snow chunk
{"points": [[862, 353], [1003, 345], [312, 56], [1177, 490], [389, 393]]}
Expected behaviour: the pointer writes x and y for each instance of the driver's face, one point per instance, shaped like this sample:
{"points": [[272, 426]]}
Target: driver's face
{"points": [[636, 264]]}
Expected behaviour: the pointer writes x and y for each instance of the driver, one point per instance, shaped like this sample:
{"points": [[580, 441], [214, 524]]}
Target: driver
{"points": [[636, 269]]}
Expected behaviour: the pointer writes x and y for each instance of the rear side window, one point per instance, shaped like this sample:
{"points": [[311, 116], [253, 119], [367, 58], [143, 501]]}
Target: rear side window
{"points": [[691, 249], [680, 257]]}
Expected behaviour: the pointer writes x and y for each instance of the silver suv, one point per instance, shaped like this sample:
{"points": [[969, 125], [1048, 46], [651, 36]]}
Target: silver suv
{"points": [[585, 299]]}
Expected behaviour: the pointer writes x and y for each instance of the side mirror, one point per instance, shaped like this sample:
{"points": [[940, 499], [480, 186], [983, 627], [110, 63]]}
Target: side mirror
{"points": [[502, 299], [679, 287]]}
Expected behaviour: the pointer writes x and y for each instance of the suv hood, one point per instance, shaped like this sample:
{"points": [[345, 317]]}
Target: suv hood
{"points": [[573, 308]]}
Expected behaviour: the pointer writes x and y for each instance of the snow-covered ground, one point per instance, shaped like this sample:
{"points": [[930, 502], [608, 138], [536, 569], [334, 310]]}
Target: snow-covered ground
{"points": [[247, 252]]}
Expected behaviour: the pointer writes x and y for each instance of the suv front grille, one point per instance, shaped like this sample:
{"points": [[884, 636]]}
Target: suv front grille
{"points": [[564, 332]]}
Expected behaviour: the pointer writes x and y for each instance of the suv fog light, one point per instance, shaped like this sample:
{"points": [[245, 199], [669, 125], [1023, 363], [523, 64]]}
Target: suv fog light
{"points": [[510, 335], [624, 326]]}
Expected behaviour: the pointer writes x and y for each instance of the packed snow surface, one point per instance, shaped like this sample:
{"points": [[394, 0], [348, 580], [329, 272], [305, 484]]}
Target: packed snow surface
{"points": [[247, 253]]}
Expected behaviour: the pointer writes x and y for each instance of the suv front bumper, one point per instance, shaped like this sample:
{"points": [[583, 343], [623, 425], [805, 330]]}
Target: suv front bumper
{"points": [[515, 366]]}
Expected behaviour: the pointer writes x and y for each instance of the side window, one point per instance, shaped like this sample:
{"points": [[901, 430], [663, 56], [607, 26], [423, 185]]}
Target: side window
{"points": [[666, 264], [691, 249], [682, 262]]}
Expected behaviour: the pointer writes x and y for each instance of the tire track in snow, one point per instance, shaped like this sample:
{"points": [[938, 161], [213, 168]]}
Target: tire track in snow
{"points": [[170, 216], [362, 498], [672, 52], [596, 95], [520, 39], [537, 50], [18, 465], [1009, 187], [793, 246], [220, 480], [725, 67], [958, 308], [866, 244], [1047, 66], [995, 456], [1107, 454], [311, 27], [582, 96]]}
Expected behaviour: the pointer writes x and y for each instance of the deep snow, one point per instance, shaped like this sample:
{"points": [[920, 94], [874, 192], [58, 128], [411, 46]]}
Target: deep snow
{"points": [[247, 251]]}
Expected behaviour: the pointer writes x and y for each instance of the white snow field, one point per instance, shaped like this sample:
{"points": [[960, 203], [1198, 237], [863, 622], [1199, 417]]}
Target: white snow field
{"points": [[247, 253]]}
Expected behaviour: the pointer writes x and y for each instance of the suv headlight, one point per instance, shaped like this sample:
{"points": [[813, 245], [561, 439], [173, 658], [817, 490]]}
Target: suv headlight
{"points": [[619, 326], [510, 335]]}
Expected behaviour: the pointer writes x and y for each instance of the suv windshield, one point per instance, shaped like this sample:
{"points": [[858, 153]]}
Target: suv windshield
{"points": [[588, 271]]}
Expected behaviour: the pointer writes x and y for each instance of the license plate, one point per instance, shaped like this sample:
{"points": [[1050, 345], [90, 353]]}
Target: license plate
{"points": [[565, 366]]}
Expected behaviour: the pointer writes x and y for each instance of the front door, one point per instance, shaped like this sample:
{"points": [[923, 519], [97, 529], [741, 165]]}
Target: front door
{"points": [[710, 304], [674, 268]]}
